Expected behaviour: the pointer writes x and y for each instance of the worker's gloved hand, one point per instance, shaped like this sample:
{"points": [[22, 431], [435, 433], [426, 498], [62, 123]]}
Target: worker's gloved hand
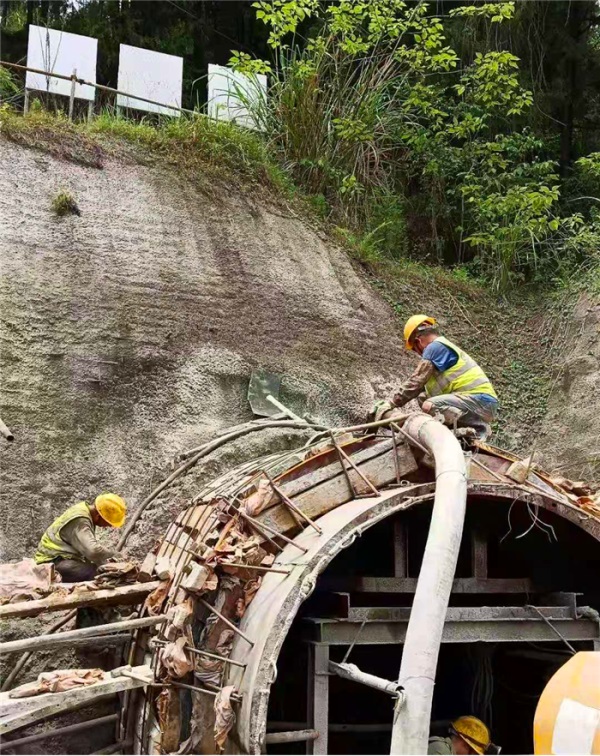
{"points": [[379, 409]]}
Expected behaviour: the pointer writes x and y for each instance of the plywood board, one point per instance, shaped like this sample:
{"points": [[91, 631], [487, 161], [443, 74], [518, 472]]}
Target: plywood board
{"points": [[330, 494]]}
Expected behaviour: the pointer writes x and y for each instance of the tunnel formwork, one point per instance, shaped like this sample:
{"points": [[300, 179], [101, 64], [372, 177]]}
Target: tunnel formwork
{"points": [[292, 564]]}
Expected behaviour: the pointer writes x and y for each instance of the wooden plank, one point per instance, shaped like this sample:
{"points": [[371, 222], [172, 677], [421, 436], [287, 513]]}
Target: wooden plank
{"points": [[359, 614], [315, 470], [300, 483], [320, 499], [479, 554], [293, 736], [126, 594], [69, 729], [318, 697], [40, 642], [409, 585], [20, 712], [400, 549]]}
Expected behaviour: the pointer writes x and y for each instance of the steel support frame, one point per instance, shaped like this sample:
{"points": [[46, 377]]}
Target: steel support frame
{"points": [[382, 632]]}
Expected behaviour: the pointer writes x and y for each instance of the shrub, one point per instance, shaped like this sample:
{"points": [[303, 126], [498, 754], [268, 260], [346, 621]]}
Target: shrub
{"points": [[64, 204]]}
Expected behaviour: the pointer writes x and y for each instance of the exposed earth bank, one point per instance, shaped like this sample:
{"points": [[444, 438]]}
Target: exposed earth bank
{"points": [[129, 334]]}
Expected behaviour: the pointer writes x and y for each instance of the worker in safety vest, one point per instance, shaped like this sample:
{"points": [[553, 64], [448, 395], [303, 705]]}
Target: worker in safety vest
{"points": [[453, 383], [70, 542], [466, 735]]}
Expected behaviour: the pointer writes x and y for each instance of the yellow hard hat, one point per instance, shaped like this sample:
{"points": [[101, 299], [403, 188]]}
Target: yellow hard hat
{"points": [[413, 323], [111, 508], [473, 732]]}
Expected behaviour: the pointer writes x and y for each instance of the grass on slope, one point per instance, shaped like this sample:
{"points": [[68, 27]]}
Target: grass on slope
{"points": [[506, 336], [212, 147]]}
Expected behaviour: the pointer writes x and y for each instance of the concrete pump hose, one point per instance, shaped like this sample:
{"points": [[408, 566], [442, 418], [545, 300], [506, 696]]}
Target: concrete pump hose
{"points": [[410, 731]]}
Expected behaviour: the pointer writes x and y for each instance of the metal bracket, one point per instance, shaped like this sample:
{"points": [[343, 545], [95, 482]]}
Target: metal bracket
{"points": [[344, 457], [297, 513]]}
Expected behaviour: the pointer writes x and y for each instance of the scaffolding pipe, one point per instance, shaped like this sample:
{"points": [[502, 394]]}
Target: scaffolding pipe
{"points": [[352, 672], [412, 713], [6, 432]]}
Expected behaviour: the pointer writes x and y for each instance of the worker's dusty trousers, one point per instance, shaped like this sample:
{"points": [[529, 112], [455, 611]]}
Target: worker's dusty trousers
{"points": [[74, 571]]}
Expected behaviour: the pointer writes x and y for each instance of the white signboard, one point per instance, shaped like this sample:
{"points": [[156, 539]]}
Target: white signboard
{"points": [[230, 92], [153, 75], [61, 52]]}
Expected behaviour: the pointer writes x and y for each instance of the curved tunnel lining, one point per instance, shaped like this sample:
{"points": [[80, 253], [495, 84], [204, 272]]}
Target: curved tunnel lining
{"points": [[273, 610]]}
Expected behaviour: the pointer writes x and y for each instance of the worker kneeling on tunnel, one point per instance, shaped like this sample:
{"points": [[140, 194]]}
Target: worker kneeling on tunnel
{"points": [[454, 385], [467, 735], [70, 542]]}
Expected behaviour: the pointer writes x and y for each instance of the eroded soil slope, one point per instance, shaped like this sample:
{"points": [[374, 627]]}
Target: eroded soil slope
{"points": [[571, 432], [129, 333]]}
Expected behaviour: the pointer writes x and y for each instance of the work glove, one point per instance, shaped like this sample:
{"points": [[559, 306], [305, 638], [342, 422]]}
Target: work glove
{"points": [[379, 409]]}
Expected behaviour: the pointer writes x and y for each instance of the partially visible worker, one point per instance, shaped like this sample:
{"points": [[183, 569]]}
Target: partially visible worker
{"points": [[71, 543], [453, 383], [466, 735]]}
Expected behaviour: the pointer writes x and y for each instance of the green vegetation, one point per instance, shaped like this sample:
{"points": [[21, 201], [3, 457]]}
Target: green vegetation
{"points": [[8, 85], [452, 148], [437, 144], [64, 204], [456, 133]]}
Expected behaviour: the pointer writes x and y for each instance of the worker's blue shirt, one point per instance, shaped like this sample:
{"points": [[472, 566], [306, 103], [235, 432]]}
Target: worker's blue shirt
{"points": [[444, 358]]}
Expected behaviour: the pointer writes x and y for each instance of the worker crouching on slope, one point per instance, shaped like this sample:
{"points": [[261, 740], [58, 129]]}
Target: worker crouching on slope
{"points": [[453, 383], [467, 735], [70, 542]]}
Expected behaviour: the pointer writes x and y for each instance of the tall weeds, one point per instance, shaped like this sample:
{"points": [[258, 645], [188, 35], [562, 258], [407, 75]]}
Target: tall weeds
{"points": [[331, 120]]}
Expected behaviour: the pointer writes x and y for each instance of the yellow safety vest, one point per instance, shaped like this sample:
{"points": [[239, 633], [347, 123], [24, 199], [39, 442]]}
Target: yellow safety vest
{"points": [[51, 545], [466, 377]]}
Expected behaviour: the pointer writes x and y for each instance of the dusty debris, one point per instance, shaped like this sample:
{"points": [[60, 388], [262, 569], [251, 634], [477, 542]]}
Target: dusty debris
{"points": [[174, 658], [181, 614], [116, 573], [20, 581], [196, 578], [519, 470], [156, 599], [224, 716], [147, 568], [210, 670], [162, 568], [260, 499], [58, 682]]}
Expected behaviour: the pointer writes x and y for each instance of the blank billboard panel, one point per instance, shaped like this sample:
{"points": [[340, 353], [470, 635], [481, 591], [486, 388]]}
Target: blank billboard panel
{"points": [[229, 93], [61, 52], [153, 75]]}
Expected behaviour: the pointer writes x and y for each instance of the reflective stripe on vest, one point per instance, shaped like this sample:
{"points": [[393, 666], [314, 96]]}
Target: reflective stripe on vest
{"points": [[466, 377], [51, 545]]}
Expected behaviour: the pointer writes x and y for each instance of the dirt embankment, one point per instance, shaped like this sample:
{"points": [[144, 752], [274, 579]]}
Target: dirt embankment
{"points": [[571, 431], [129, 333]]}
